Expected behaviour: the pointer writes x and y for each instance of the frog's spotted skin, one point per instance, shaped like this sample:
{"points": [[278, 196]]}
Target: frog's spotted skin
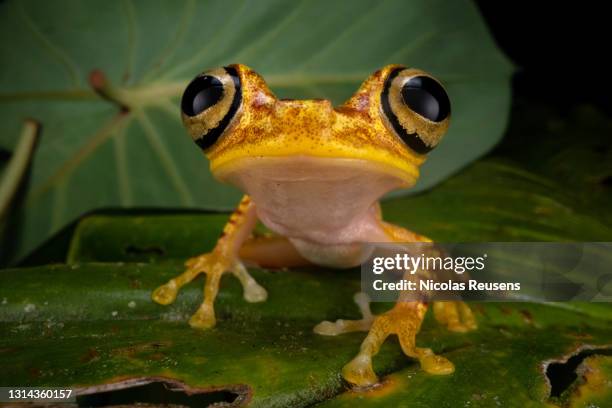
{"points": [[268, 127], [313, 174]]}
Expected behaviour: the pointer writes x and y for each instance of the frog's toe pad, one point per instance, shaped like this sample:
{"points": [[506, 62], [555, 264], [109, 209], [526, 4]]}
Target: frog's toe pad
{"points": [[461, 327], [327, 328], [165, 294], [359, 372], [456, 316], [252, 291], [340, 326], [436, 365], [255, 293], [203, 319]]}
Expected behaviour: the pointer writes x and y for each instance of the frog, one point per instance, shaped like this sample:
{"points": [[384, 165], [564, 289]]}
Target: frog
{"points": [[314, 174]]}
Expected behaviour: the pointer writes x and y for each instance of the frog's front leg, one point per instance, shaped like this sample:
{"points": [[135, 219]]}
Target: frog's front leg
{"points": [[223, 258]]}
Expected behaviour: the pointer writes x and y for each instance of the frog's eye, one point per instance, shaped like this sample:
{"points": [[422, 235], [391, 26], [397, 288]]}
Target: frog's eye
{"points": [[209, 104], [416, 108]]}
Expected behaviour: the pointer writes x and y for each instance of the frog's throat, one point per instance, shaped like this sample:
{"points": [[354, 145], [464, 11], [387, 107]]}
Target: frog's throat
{"points": [[315, 199], [307, 167]]}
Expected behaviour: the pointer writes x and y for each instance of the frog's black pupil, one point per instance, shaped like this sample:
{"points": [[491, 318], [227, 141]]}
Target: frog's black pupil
{"points": [[203, 92], [426, 97]]}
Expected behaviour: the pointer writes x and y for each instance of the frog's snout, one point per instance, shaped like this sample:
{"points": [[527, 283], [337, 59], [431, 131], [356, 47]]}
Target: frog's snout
{"points": [[307, 105], [300, 114]]}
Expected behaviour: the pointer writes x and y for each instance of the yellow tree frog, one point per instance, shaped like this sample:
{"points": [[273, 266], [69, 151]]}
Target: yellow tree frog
{"points": [[313, 174]]}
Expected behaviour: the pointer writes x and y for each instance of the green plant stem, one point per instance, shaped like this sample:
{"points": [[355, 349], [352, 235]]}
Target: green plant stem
{"points": [[18, 164]]}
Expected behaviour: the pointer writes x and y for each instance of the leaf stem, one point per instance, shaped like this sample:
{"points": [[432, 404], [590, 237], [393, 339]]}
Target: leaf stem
{"points": [[103, 87], [129, 99], [18, 164]]}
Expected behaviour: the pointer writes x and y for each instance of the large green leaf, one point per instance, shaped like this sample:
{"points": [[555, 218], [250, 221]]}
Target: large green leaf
{"points": [[101, 326], [93, 324], [572, 148], [93, 155]]}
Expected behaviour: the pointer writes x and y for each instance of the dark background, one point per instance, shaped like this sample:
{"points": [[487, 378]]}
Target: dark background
{"points": [[561, 50]]}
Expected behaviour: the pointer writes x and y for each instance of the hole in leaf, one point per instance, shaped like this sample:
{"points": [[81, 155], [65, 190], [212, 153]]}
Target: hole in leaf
{"points": [[152, 250], [561, 374], [159, 392]]}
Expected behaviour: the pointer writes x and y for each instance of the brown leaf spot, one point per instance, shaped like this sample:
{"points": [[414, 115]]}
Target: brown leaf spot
{"points": [[131, 351], [90, 355], [527, 317], [34, 372]]}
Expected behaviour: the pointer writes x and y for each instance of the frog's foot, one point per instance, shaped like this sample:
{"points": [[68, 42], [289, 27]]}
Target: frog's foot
{"points": [[214, 265], [404, 320], [341, 326], [456, 316]]}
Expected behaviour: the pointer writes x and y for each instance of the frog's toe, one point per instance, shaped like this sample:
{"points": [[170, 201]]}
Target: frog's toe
{"points": [[435, 364], [326, 328], [252, 291], [165, 294], [359, 371], [203, 319], [458, 327], [456, 316], [404, 320], [255, 293], [340, 326]]}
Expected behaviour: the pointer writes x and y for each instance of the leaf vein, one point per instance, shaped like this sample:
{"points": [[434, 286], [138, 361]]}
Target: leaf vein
{"points": [[167, 162], [52, 50], [174, 43], [132, 40], [125, 194], [229, 25], [265, 39], [73, 162]]}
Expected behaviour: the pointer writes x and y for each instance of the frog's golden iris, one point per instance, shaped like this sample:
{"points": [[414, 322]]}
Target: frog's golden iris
{"points": [[416, 108], [209, 104]]}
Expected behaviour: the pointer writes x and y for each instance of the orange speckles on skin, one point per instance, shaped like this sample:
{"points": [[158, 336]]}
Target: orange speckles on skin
{"points": [[268, 127]]}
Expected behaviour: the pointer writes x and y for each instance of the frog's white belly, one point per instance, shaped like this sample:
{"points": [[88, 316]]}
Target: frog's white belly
{"points": [[325, 206], [335, 256]]}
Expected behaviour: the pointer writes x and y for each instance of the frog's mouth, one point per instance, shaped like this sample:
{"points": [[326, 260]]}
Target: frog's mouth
{"points": [[247, 172]]}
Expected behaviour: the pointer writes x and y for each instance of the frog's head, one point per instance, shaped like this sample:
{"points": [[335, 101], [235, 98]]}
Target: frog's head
{"points": [[385, 129]]}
